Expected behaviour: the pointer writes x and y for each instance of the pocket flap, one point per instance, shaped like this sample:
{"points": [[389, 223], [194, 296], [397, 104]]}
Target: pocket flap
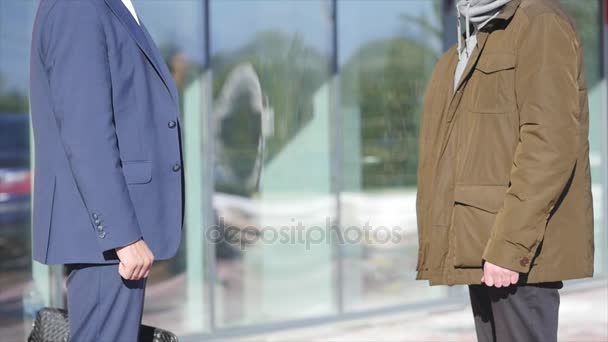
{"points": [[137, 172], [492, 62], [488, 198]]}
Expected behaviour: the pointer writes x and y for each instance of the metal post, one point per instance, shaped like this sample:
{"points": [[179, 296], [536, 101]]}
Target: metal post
{"points": [[604, 68], [448, 24], [336, 154], [208, 179]]}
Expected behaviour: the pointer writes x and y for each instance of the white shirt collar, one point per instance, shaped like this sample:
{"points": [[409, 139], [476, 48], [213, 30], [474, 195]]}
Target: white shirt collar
{"points": [[129, 5]]}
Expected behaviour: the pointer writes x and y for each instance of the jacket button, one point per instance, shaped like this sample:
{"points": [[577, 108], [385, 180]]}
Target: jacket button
{"points": [[172, 124], [102, 235], [177, 167], [524, 261], [95, 216]]}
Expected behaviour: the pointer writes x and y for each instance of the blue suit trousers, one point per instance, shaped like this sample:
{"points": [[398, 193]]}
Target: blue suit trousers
{"points": [[103, 307]]}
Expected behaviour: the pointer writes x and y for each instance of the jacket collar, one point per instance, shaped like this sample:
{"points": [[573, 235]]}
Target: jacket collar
{"points": [[508, 11], [482, 37], [144, 42], [456, 96]]}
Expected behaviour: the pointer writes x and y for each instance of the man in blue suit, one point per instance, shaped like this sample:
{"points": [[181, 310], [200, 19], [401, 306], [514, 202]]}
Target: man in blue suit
{"points": [[108, 193]]}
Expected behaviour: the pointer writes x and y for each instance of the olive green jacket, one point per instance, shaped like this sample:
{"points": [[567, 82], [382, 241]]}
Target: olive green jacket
{"points": [[504, 160]]}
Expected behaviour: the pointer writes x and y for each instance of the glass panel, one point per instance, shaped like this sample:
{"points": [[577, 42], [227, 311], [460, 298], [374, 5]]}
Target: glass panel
{"points": [[586, 15], [271, 93], [175, 295], [384, 68], [20, 296]]}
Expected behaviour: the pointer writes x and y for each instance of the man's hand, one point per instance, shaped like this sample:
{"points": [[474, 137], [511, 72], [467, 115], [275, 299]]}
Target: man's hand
{"points": [[136, 260], [494, 275]]}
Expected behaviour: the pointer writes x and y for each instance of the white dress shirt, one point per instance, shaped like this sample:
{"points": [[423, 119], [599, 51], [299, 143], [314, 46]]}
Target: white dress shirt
{"points": [[129, 5]]}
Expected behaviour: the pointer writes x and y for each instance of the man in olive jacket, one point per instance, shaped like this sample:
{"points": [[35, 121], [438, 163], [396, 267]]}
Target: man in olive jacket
{"points": [[504, 200]]}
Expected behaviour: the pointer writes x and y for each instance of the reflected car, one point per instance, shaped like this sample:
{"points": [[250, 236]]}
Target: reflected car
{"points": [[15, 195], [15, 190]]}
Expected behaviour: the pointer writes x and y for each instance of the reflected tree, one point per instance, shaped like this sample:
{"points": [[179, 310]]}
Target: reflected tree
{"points": [[385, 79], [290, 74], [11, 100], [587, 19]]}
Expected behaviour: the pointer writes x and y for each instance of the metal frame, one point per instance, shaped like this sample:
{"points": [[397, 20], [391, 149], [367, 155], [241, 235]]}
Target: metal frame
{"points": [[448, 20], [603, 21], [224, 334], [337, 149], [209, 181]]}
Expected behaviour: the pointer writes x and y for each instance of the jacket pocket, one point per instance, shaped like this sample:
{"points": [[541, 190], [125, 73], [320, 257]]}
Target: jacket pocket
{"points": [[494, 86], [475, 209], [137, 172], [492, 62]]}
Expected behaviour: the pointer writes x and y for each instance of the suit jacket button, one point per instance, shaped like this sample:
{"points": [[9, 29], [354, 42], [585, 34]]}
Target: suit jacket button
{"points": [[172, 124], [97, 221], [102, 235], [95, 216], [524, 261], [100, 228], [177, 167]]}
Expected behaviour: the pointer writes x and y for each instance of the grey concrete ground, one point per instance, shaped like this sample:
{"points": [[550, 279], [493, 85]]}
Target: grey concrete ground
{"points": [[583, 318]]}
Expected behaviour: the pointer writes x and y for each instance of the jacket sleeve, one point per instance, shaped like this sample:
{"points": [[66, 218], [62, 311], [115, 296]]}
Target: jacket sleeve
{"points": [[425, 150], [421, 192], [545, 158], [76, 58]]}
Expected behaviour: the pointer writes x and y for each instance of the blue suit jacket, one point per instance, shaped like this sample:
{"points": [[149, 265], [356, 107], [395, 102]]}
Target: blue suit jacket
{"points": [[105, 115]]}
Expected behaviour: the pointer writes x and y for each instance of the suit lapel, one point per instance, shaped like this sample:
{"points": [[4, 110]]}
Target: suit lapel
{"points": [[164, 70], [142, 41]]}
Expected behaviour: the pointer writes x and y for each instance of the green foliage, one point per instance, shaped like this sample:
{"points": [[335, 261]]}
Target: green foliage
{"points": [[385, 81], [12, 101], [290, 73], [587, 18]]}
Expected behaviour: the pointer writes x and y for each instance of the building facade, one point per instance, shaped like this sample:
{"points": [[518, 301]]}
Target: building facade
{"points": [[300, 127]]}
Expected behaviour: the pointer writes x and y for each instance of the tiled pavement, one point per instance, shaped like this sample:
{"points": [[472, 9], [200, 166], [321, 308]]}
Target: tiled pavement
{"points": [[583, 318]]}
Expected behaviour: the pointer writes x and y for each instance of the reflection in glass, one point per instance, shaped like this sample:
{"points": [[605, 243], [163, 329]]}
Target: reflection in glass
{"points": [[174, 293], [258, 125], [271, 118], [588, 25], [20, 297], [241, 107], [384, 68]]}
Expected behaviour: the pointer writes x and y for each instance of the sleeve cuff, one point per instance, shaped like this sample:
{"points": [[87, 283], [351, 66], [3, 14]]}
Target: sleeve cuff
{"points": [[508, 255], [110, 240]]}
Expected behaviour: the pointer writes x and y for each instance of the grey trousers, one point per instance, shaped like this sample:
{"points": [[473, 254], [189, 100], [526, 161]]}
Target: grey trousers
{"points": [[522, 313], [103, 307]]}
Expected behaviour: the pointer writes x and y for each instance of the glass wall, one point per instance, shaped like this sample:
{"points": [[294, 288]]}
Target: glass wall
{"points": [[300, 126], [175, 292], [588, 19], [384, 68], [20, 296], [272, 173]]}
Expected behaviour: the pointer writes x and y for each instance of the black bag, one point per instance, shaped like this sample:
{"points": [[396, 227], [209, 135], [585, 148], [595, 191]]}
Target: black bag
{"points": [[51, 325]]}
